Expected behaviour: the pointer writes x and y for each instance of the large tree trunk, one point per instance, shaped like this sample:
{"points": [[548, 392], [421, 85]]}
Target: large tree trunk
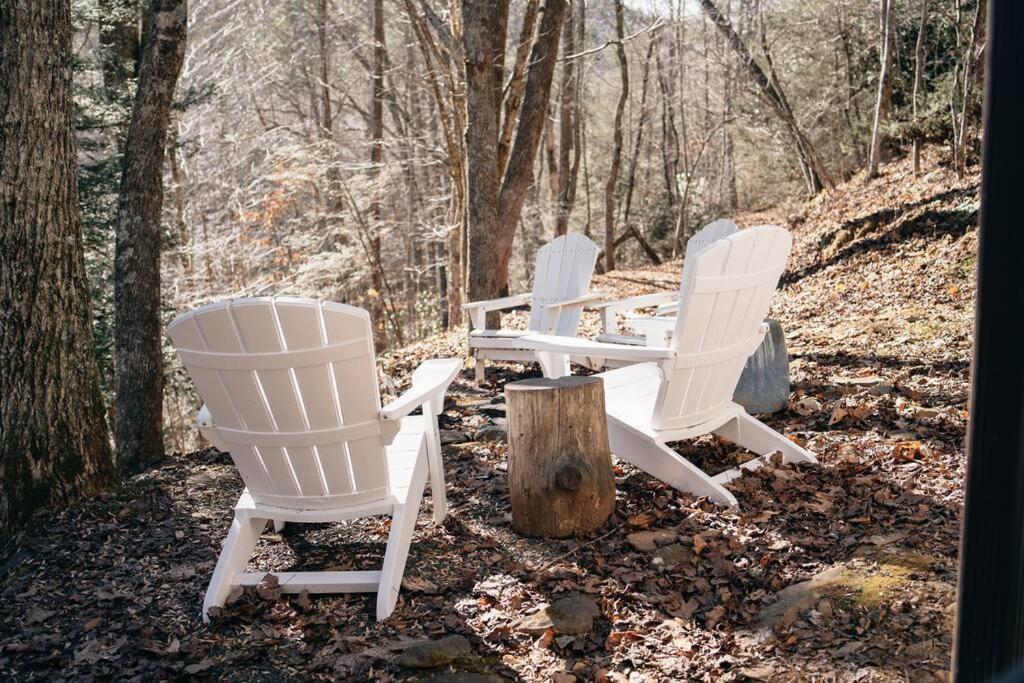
{"points": [[494, 204], [883, 86], [138, 358], [480, 19], [54, 444], [613, 173], [770, 90]]}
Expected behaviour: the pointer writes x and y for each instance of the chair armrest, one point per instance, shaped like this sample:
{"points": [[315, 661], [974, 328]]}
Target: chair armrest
{"points": [[642, 301], [596, 299], [610, 309], [657, 322], [655, 330], [429, 381], [498, 304], [669, 308], [478, 309], [585, 347]]}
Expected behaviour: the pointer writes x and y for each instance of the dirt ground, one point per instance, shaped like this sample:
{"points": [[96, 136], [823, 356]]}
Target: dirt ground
{"points": [[844, 571]]}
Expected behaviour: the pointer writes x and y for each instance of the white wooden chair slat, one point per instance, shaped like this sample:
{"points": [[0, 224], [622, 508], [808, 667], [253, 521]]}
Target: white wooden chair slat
{"points": [[562, 272], [291, 392], [685, 390], [695, 246]]}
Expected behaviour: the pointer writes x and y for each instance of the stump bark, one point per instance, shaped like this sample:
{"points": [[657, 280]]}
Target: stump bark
{"points": [[559, 463]]}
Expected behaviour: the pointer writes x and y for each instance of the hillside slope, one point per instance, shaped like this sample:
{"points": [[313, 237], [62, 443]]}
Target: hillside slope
{"points": [[844, 571]]}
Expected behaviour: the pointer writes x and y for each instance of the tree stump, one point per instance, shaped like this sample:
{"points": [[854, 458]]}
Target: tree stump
{"points": [[559, 463]]}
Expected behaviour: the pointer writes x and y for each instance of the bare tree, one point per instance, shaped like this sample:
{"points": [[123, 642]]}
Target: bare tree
{"points": [[883, 86], [376, 160], [613, 173], [54, 444], [770, 89], [138, 355], [569, 143]]}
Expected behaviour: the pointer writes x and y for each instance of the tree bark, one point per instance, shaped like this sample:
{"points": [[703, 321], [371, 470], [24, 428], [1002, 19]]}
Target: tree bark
{"points": [[517, 82], [376, 161], [54, 444], [569, 122], [480, 19], [613, 172], [883, 80], [490, 196], [559, 463], [327, 117], [771, 93], [138, 356]]}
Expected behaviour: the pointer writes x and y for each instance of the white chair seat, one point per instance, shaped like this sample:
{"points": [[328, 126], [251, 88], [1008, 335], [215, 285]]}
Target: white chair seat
{"points": [[630, 339], [502, 334], [631, 394]]}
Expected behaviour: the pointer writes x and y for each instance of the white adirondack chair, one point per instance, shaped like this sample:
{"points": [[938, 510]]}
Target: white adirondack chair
{"points": [[561, 278], [655, 330], [684, 390], [291, 392]]}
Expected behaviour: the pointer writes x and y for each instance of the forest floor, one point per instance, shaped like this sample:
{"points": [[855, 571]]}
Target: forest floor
{"points": [[844, 571]]}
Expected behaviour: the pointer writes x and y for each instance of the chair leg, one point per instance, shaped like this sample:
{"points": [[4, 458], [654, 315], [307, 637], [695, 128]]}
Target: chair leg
{"points": [[478, 371], [438, 494], [278, 526], [238, 546], [553, 365], [403, 523], [665, 464], [758, 437]]}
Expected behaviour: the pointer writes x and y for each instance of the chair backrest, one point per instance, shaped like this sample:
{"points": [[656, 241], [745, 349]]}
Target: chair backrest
{"points": [[719, 324], [291, 386], [563, 271], [698, 242]]}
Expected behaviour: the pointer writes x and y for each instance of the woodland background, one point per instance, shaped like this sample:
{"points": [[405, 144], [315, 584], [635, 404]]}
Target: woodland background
{"points": [[346, 151], [409, 155]]}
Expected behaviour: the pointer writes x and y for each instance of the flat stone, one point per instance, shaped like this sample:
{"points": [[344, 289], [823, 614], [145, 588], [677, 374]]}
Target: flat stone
{"points": [[494, 433], [450, 436], [794, 599], [648, 541], [764, 385], [434, 653], [572, 615], [491, 410], [868, 381], [671, 555]]}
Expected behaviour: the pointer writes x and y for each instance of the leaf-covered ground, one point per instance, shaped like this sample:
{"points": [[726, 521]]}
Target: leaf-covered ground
{"points": [[844, 570]]}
